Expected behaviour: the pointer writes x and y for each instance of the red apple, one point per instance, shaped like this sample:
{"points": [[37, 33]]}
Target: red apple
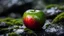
{"points": [[34, 19]]}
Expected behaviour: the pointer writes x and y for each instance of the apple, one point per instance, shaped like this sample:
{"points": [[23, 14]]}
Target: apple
{"points": [[34, 19]]}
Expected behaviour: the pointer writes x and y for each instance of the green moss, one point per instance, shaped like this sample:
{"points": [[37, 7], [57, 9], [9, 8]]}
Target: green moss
{"points": [[28, 31], [7, 29], [59, 18], [19, 22], [13, 34], [4, 30], [8, 19], [9, 23], [61, 8], [12, 21], [51, 5], [16, 27], [2, 20]]}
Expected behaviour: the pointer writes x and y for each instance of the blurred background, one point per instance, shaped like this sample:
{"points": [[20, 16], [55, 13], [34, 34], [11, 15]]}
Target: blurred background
{"points": [[16, 8]]}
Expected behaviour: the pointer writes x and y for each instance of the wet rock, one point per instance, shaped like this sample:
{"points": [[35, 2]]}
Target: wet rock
{"points": [[54, 30], [47, 22], [3, 25], [19, 31], [52, 10]]}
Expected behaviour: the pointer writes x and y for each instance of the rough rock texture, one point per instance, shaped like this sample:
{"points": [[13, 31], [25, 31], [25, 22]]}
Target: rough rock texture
{"points": [[53, 10]]}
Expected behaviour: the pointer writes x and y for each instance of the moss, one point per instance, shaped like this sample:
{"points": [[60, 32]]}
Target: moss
{"points": [[8, 19], [28, 31], [13, 34], [2, 20], [16, 27], [4, 30], [9, 23], [61, 8], [59, 18], [17, 22], [12, 21], [51, 5]]}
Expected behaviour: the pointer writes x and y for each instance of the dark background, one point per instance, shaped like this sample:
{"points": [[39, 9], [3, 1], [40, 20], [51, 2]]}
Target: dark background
{"points": [[8, 7]]}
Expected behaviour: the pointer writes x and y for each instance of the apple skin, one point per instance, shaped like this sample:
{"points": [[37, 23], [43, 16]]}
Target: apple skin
{"points": [[34, 19]]}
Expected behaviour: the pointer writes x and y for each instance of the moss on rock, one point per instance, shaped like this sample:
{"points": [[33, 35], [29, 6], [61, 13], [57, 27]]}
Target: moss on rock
{"points": [[28, 31], [61, 8], [13, 34], [59, 18], [11, 21], [51, 5]]}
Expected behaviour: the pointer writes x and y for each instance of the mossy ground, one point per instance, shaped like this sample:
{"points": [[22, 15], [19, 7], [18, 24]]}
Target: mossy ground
{"points": [[59, 18]]}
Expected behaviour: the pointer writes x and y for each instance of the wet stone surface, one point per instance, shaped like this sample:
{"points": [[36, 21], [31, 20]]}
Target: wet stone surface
{"points": [[47, 30], [55, 30]]}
